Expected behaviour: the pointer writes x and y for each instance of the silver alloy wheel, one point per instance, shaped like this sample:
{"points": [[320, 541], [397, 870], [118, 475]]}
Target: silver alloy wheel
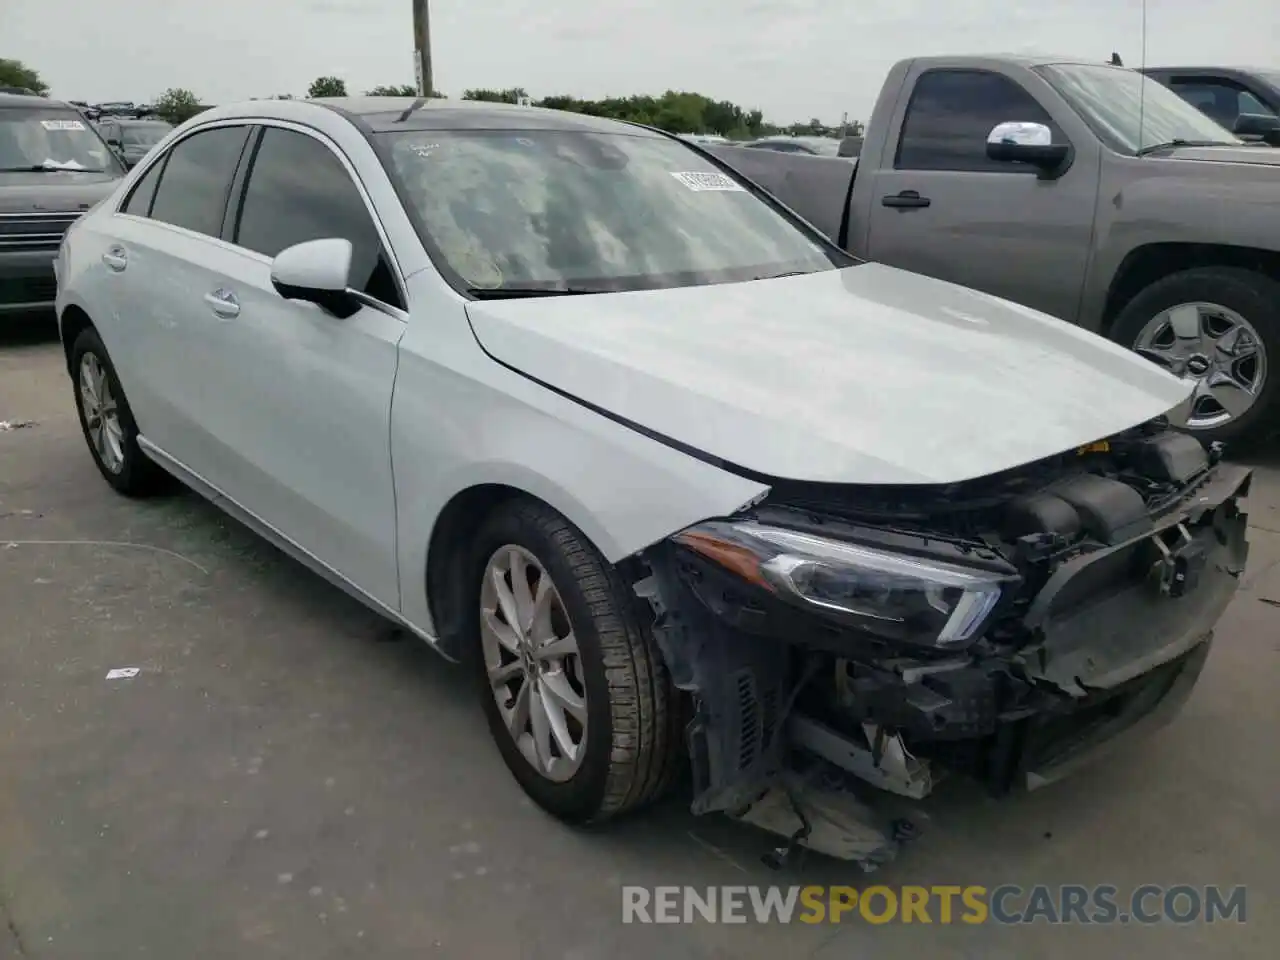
{"points": [[531, 656], [101, 413], [1218, 349]]}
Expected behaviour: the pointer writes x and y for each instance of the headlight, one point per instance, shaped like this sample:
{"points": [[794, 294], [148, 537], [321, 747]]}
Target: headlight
{"points": [[893, 595]]}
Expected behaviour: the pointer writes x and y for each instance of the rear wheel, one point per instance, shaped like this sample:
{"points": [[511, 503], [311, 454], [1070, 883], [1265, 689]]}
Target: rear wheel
{"points": [[1220, 327], [107, 422], [576, 695]]}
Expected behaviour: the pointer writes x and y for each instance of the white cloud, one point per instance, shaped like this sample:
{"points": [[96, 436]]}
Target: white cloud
{"points": [[793, 58]]}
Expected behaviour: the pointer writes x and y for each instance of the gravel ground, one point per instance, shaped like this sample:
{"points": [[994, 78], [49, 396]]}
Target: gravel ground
{"points": [[283, 779]]}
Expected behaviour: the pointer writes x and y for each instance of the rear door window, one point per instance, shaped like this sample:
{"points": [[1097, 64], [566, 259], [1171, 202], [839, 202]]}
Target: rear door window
{"points": [[197, 177]]}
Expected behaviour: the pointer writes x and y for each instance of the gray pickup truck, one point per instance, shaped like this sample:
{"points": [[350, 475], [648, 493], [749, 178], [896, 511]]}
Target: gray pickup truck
{"points": [[1082, 190]]}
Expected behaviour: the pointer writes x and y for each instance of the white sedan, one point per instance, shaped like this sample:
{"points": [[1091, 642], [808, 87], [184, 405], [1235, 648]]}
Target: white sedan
{"points": [[678, 480]]}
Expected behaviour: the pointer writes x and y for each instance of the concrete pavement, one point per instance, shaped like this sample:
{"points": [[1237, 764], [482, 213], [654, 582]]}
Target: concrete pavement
{"points": [[282, 780]]}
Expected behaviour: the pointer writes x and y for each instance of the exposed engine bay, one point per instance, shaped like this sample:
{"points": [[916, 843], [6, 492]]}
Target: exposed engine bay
{"points": [[1005, 628]]}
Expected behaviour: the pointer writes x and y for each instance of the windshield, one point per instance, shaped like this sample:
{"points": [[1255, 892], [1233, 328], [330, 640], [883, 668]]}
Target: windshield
{"points": [[598, 212], [50, 138], [143, 134], [1117, 102]]}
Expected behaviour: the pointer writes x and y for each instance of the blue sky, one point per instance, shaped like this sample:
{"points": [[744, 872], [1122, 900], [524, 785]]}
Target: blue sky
{"points": [[792, 58]]}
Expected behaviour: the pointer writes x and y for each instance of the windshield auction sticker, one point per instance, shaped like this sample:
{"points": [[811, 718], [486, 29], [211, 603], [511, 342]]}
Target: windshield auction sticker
{"points": [[701, 182], [62, 124]]}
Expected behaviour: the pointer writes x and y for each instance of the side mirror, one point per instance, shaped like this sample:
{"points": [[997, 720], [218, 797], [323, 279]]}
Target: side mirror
{"points": [[1030, 143], [319, 272], [1261, 126]]}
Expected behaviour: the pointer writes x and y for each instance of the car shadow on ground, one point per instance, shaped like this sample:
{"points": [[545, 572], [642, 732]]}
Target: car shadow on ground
{"points": [[27, 330]]}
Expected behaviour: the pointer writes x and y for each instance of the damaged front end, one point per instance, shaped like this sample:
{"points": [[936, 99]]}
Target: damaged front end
{"points": [[1006, 628]]}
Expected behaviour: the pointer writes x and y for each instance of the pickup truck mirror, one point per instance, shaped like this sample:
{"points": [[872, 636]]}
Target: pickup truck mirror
{"points": [[1030, 143], [1261, 126]]}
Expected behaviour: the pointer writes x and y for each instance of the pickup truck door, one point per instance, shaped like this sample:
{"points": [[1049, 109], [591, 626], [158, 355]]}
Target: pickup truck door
{"points": [[938, 206]]}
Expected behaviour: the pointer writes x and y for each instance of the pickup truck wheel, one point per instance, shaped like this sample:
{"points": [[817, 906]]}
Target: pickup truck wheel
{"points": [[574, 689], [1219, 326], [107, 422]]}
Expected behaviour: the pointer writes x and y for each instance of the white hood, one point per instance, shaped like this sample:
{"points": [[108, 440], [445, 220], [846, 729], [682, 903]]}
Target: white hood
{"points": [[863, 375]]}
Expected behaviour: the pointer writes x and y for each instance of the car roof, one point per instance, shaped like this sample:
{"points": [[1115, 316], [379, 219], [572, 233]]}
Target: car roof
{"points": [[1263, 74], [1016, 59], [31, 100], [381, 114], [1202, 68]]}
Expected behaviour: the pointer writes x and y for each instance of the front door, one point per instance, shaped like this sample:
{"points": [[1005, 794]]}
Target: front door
{"points": [[303, 398], [941, 208]]}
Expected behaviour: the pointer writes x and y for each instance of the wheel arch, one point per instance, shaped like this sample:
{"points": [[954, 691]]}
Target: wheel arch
{"points": [[1151, 262], [447, 591], [73, 322]]}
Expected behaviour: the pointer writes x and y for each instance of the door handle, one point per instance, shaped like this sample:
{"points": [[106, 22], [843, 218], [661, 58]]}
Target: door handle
{"points": [[906, 200], [116, 258], [223, 303]]}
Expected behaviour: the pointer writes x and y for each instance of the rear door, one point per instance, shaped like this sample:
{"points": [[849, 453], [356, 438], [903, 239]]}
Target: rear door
{"points": [[297, 400], [160, 263], [941, 208]]}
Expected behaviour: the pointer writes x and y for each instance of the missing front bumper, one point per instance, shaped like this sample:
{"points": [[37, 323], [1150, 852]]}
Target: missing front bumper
{"points": [[1112, 644]]}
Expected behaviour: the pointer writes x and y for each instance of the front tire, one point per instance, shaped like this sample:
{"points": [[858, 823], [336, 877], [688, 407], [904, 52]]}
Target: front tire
{"points": [[573, 687], [107, 421], [1221, 327]]}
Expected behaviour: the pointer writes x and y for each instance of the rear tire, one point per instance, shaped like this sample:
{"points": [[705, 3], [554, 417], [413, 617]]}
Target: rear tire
{"points": [[107, 421], [630, 741], [1251, 296]]}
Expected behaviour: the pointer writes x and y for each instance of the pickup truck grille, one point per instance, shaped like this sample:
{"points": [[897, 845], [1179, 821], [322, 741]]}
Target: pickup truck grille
{"points": [[28, 290], [34, 231]]}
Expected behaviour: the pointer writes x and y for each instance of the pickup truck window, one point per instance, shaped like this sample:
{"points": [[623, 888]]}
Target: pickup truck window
{"points": [[1223, 100], [548, 210], [950, 114], [1130, 112]]}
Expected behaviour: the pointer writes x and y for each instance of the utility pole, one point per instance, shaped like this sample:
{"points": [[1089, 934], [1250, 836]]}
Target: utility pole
{"points": [[422, 47]]}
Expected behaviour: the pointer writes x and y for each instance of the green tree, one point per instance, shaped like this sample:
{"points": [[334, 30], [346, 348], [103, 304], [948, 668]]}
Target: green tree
{"points": [[676, 111], [510, 95], [327, 87], [177, 105], [397, 90], [15, 73]]}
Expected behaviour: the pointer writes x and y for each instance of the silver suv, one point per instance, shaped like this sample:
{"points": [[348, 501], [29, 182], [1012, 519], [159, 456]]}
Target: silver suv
{"points": [[53, 167]]}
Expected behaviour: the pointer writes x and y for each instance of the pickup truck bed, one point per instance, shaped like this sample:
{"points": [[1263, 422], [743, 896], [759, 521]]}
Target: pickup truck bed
{"points": [[806, 184]]}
